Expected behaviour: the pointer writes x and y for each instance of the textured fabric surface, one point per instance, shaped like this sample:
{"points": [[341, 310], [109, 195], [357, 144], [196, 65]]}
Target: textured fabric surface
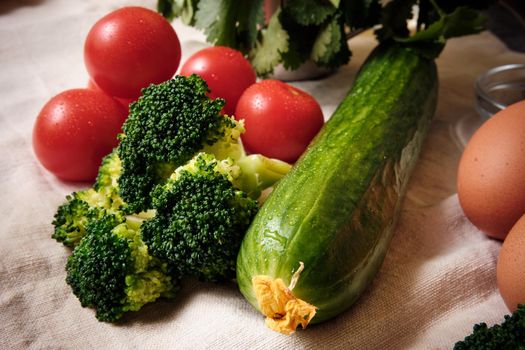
{"points": [[438, 278]]}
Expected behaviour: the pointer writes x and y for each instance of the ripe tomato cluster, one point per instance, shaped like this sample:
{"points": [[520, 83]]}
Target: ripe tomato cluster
{"points": [[124, 52], [280, 119], [134, 47]]}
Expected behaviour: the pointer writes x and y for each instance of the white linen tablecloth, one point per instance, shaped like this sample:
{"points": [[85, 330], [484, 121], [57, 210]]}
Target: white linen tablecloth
{"points": [[438, 278]]}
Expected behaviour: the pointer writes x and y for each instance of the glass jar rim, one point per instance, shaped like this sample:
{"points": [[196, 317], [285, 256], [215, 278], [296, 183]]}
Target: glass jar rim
{"points": [[482, 79]]}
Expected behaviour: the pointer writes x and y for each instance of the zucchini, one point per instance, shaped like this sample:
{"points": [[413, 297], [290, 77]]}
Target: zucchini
{"points": [[334, 214]]}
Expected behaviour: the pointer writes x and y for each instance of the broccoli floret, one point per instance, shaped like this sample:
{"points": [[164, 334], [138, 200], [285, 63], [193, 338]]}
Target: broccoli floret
{"points": [[510, 335], [83, 206], [168, 124], [111, 270], [107, 182], [71, 218], [200, 219]]}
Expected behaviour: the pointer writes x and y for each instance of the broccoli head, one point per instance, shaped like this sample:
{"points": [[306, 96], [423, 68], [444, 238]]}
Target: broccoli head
{"points": [[111, 270], [83, 206], [166, 127], [510, 335], [71, 217], [200, 219]]}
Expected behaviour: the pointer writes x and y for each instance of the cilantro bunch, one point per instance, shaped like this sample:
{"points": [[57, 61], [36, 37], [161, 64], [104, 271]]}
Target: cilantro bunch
{"points": [[318, 30]]}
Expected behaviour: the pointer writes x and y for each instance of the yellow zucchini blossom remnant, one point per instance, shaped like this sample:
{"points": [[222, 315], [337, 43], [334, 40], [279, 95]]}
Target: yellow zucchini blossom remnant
{"points": [[283, 311]]}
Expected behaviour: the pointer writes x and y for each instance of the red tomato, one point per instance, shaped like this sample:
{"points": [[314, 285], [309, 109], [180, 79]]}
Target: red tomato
{"points": [[123, 101], [130, 49], [225, 70], [280, 119], [74, 130]]}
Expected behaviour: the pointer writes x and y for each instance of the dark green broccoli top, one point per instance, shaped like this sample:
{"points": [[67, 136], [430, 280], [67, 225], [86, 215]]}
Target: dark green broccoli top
{"points": [[111, 271], [510, 335], [71, 218], [166, 127], [97, 269], [201, 219]]}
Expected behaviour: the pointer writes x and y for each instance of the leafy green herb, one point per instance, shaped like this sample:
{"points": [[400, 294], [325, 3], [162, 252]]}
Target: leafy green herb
{"points": [[360, 14], [318, 29], [229, 22], [298, 49], [185, 9], [267, 52], [330, 48], [309, 12]]}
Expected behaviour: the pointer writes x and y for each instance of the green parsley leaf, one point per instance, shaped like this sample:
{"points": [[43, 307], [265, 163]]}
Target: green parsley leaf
{"points": [[309, 12], [330, 48], [267, 52], [185, 9], [229, 22], [301, 41], [360, 14]]}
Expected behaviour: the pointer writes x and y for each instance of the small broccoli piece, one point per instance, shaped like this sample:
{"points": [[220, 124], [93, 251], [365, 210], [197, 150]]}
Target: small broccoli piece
{"points": [[165, 128], [111, 270], [91, 204], [71, 218], [107, 182], [200, 219], [510, 335]]}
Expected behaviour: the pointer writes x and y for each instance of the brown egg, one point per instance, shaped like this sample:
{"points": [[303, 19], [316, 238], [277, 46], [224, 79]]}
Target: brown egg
{"points": [[491, 174], [511, 266]]}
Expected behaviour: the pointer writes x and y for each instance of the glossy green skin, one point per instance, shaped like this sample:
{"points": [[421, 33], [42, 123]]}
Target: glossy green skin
{"points": [[337, 208]]}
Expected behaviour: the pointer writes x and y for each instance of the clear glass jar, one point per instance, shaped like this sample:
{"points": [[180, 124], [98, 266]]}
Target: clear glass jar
{"points": [[498, 88]]}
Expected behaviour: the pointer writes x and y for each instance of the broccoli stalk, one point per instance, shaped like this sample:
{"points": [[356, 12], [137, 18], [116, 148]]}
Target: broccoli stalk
{"points": [[112, 271], [106, 183], [259, 173], [510, 335], [200, 219]]}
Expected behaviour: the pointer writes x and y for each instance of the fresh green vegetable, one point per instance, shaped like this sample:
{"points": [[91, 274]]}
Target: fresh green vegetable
{"points": [[317, 30], [509, 335], [336, 210], [195, 228], [192, 193], [320, 238], [167, 126], [83, 206], [200, 219], [111, 270]]}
